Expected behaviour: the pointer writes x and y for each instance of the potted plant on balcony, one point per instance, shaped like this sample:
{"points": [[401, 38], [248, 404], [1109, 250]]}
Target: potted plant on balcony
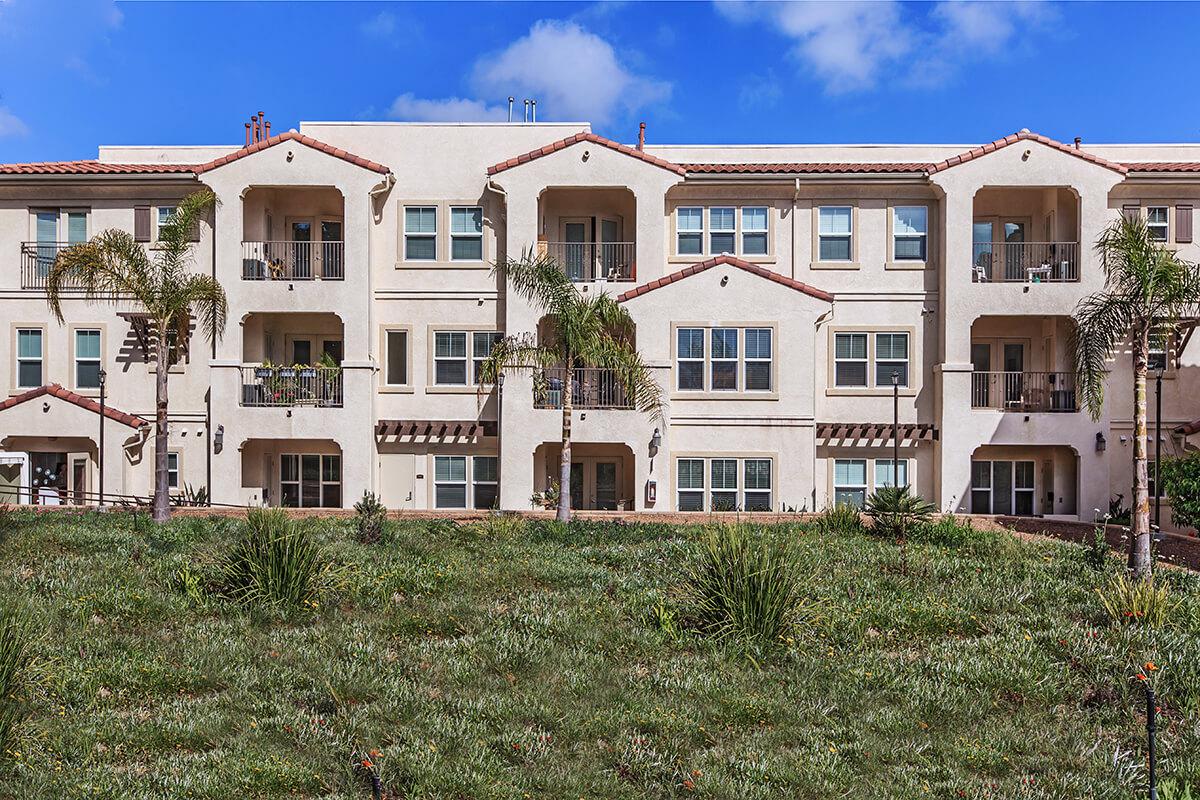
{"points": [[330, 380]]}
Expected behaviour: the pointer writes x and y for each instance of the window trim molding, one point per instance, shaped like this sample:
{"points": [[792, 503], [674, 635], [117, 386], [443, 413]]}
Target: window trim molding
{"points": [[431, 387], [855, 234], [179, 482], [706, 206], [442, 238], [890, 261], [870, 455], [484, 251], [395, 388], [402, 258], [457, 452], [86, 326], [675, 393], [915, 374], [14, 328], [741, 456]]}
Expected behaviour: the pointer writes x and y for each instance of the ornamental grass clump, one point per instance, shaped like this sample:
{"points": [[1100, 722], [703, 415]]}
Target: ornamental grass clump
{"points": [[16, 655], [745, 586], [276, 561], [1133, 601], [840, 518]]}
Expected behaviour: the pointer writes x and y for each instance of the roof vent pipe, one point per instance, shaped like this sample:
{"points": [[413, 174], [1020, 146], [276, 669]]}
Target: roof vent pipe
{"points": [[526, 110], [1078, 141], [247, 134], [641, 136], [253, 129], [533, 105], [511, 100], [267, 129]]}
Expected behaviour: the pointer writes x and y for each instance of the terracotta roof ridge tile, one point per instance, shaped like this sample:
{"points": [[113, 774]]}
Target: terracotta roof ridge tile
{"points": [[292, 136], [732, 261], [58, 391], [1021, 136], [585, 136]]}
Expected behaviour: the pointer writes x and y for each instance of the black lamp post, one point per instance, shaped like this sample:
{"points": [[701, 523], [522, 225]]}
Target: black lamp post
{"points": [[103, 381], [896, 429], [1158, 376]]}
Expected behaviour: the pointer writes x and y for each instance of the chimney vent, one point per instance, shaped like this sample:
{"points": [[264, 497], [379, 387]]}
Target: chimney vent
{"points": [[247, 134], [526, 109], [1078, 141], [641, 136], [511, 100], [533, 105]]}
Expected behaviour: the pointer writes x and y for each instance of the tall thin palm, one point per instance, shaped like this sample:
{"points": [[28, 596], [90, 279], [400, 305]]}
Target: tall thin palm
{"points": [[1147, 291], [581, 331], [113, 267]]}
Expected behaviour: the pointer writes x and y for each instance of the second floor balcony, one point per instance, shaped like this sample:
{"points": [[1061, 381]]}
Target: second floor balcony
{"points": [[1024, 392], [36, 260], [593, 261], [1025, 262], [591, 388], [293, 261], [291, 387]]}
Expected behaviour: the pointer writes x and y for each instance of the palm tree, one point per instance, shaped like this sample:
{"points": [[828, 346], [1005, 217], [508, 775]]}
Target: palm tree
{"points": [[113, 267], [581, 331], [1147, 290]]}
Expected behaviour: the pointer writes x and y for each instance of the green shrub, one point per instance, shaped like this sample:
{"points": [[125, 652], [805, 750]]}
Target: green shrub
{"points": [[1181, 483], [1096, 553], [1134, 601], [840, 518], [947, 530], [1176, 789], [276, 561], [369, 516], [894, 511], [501, 525], [744, 586], [16, 655]]}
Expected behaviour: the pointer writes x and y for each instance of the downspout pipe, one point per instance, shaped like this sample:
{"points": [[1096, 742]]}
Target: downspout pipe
{"points": [[821, 320]]}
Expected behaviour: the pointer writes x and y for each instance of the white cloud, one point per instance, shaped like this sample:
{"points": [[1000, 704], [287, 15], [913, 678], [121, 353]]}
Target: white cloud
{"points": [[851, 45], [382, 25], [574, 75], [11, 124], [449, 109]]}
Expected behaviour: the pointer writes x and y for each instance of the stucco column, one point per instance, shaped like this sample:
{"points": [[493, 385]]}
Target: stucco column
{"points": [[522, 232], [516, 442]]}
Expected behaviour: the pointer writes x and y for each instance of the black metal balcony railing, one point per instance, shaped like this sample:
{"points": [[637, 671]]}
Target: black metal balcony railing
{"points": [[289, 387], [293, 261], [1025, 262], [1024, 391], [36, 260], [592, 388], [593, 261]]}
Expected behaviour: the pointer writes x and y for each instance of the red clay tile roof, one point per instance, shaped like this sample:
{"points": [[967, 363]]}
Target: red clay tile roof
{"points": [[800, 168], [92, 168], [732, 261], [1163, 166], [1023, 136], [561, 144], [58, 391], [291, 136], [1189, 428]]}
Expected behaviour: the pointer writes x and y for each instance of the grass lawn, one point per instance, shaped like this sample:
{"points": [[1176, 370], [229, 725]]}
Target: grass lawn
{"points": [[504, 660]]}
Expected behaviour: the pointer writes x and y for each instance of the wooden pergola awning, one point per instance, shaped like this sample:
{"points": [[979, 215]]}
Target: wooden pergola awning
{"points": [[874, 431], [145, 330], [434, 428]]}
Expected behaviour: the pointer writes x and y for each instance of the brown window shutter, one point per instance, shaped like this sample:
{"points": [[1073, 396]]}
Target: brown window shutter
{"points": [[1183, 224], [141, 223], [1131, 212]]}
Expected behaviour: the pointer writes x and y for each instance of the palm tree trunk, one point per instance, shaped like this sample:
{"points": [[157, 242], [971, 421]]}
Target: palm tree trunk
{"points": [[1139, 542], [162, 499], [564, 462]]}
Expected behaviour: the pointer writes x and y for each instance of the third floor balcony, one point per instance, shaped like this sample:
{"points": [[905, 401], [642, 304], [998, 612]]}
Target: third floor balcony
{"points": [[1025, 235], [293, 234], [1022, 364], [590, 232]]}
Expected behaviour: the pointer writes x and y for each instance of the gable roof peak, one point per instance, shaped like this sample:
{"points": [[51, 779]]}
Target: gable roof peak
{"points": [[293, 136], [585, 136], [1021, 136], [733, 261]]}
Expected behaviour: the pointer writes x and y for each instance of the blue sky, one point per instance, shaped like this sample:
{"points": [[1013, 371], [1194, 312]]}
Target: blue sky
{"points": [[77, 74]]}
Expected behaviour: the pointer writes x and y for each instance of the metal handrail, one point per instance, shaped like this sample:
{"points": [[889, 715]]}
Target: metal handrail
{"points": [[36, 260], [1025, 262], [1024, 391], [293, 261], [593, 261], [289, 387], [592, 388]]}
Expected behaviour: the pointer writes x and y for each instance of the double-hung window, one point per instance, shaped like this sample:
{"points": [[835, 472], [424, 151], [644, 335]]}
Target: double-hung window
{"points": [[420, 233], [757, 484], [891, 356], [722, 230], [486, 483], [724, 475], [87, 358], [30, 358], [754, 231], [835, 233], [885, 473], [173, 470], [910, 233], [724, 359], [1157, 225], [481, 348], [690, 359], [758, 359], [165, 215], [450, 481], [850, 359], [450, 358], [689, 484], [850, 482], [396, 370], [1158, 350], [689, 231], [466, 233]]}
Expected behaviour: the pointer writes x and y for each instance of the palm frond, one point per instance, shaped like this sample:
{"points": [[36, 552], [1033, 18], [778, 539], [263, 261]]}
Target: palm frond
{"points": [[202, 296], [176, 234], [514, 354], [640, 385], [539, 279], [1102, 323], [112, 267]]}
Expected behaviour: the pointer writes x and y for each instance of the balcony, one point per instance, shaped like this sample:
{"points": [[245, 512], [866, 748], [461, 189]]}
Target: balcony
{"points": [[592, 388], [1025, 262], [36, 259], [593, 261], [291, 387], [1024, 392], [293, 261]]}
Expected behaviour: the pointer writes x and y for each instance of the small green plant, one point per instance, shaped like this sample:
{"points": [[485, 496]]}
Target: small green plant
{"points": [[16, 655], [190, 583], [1118, 514], [1135, 601], [1097, 552], [501, 525], [276, 561], [369, 517], [840, 518], [547, 499], [744, 586], [1181, 484], [1177, 789], [894, 511], [191, 496], [947, 530]]}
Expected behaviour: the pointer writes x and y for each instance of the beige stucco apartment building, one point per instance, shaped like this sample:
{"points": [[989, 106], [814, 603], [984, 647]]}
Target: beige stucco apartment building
{"points": [[777, 292]]}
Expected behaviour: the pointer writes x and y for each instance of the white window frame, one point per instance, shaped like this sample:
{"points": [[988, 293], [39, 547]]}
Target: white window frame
{"points": [[422, 235], [747, 359], [883, 362], [1160, 231], [701, 360], [161, 219], [477, 360], [865, 360], [476, 482], [724, 489], [173, 471], [882, 481], [22, 360], [707, 487], [1014, 489], [848, 236], [765, 231], [690, 491], [1159, 349], [463, 235], [747, 490], [697, 233], [77, 360], [731, 232], [387, 356], [864, 487], [713, 360], [452, 482], [923, 236], [321, 482], [465, 358]]}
